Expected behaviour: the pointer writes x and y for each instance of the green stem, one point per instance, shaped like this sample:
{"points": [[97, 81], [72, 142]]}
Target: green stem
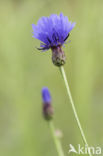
{"points": [[56, 139], [73, 106]]}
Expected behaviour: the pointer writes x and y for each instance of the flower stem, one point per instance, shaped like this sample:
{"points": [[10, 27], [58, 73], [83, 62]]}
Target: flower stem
{"points": [[73, 106], [56, 139]]}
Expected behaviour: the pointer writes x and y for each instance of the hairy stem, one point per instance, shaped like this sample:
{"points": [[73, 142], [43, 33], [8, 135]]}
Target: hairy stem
{"points": [[56, 139], [73, 106]]}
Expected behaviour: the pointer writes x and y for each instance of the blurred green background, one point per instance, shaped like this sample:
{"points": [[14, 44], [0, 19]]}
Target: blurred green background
{"points": [[24, 71]]}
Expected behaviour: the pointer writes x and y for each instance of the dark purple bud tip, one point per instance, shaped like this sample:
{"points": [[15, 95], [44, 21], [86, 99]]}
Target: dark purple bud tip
{"points": [[58, 56], [47, 107]]}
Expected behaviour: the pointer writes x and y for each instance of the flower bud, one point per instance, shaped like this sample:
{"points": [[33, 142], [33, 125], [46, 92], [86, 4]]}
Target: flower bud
{"points": [[47, 107], [58, 56]]}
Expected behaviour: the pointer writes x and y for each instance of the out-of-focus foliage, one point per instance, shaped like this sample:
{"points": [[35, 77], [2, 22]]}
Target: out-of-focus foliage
{"points": [[24, 71]]}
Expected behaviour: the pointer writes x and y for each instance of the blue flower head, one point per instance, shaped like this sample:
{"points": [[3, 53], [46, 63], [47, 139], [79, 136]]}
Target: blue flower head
{"points": [[46, 97], [53, 32], [47, 107]]}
